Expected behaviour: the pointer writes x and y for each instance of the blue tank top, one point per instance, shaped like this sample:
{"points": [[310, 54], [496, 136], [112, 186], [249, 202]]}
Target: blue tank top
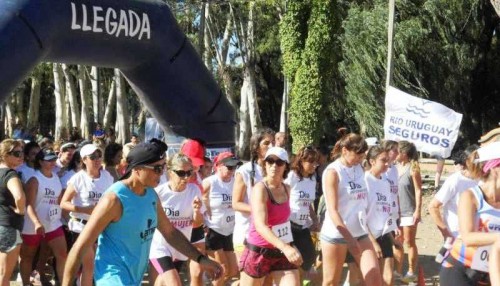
{"points": [[123, 247]]}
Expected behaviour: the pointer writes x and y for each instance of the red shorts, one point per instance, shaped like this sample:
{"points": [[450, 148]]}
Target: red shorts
{"points": [[258, 265], [36, 239]]}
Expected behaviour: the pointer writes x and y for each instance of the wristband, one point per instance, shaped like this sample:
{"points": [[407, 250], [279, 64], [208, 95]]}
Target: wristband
{"points": [[200, 257]]}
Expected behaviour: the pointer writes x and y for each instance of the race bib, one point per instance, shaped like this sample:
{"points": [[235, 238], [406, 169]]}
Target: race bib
{"points": [[283, 231], [480, 258], [54, 213], [303, 216]]}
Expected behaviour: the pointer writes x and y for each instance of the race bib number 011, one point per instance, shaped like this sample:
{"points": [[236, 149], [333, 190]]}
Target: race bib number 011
{"points": [[283, 231], [480, 259]]}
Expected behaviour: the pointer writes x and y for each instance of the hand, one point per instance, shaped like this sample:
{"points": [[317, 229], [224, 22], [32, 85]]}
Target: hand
{"points": [[416, 217], [39, 229], [398, 244], [397, 232], [197, 204], [354, 249], [315, 227], [378, 249], [16, 210], [213, 269], [292, 254]]}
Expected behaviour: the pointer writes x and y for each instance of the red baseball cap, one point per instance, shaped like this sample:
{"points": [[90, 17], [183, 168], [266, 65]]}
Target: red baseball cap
{"points": [[227, 158], [195, 151]]}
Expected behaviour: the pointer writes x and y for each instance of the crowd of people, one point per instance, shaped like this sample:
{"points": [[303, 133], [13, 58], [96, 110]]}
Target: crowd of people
{"points": [[106, 214]]}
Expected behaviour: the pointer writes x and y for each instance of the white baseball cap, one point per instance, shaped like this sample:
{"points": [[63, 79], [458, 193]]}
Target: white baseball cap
{"points": [[88, 150], [278, 152], [489, 152]]}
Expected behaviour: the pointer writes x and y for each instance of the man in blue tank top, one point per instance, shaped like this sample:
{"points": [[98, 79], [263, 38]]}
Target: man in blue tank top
{"points": [[124, 222]]}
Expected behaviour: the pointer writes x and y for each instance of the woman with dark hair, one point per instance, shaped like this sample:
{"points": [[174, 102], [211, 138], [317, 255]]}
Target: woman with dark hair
{"points": [[344, 228], [302, 182], [410, 204], [12, 207], [112, 156], [84, 190], [43, 222], [479, 218], [268, 250], [245, 179]]}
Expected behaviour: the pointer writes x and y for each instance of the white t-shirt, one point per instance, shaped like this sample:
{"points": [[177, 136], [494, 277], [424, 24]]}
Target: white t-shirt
{"points": [[178, 207], [302, 195], [352, 200], [220, 199], [448, 195], [46, 204], [242, 220], [66, 177], [379, 214], [392, 177], [88, 193], [26, 172]]}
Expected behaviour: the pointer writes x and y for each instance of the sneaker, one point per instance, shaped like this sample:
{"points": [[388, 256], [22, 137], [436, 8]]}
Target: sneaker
{"points": [[409, 277], [396, 275]]}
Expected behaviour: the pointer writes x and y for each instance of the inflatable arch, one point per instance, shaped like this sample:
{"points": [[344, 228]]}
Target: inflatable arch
{"points": [[139, 37]]}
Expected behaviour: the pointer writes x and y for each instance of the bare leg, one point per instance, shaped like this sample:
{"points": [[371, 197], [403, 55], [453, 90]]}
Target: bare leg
{"points": [[410, 233], [7, 264], [333, 260], [369, 263]]}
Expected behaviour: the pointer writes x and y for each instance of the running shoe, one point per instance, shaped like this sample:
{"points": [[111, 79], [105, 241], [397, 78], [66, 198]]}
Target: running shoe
{"points": [[409, 277]]}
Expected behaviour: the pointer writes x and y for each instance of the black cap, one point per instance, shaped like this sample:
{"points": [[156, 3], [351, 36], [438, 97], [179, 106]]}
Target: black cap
{"points": [[46, 154], [143, 154]]}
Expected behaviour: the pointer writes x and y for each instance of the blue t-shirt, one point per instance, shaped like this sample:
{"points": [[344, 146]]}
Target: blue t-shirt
{"points": [[123, 247]]}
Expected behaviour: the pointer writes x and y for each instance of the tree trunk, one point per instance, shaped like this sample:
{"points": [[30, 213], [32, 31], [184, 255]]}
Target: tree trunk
{"points": [[253, 106], [84, 121], [19, 110], [71, 92], [202, 31], [284, 106], [244, 134], [122, 118], [97, 100], [34, 108], [61, 128], [10, 120], [110, 106]]}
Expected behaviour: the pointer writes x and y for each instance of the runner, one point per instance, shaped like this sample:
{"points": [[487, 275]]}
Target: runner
{"points": [[181, 202], [12, 207], [84, 190], [269, 250], [123, 251], [217, 198], [479, 221], [346, 202], [27, 169], [43, 222], [303, 218]]}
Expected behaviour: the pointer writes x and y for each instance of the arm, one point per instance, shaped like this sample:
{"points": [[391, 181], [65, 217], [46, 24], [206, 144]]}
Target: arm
{"points": [[109, 209], [176, 239], [239, 193], [67, 205], [258, 202], [314, 218], [434, 211], [206, 197], [467, 210], [31, 193], [417, 183], [197, 216], [15, 187]]}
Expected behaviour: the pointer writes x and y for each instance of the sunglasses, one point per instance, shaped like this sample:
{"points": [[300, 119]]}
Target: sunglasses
{"points": [[231, 168], [183, 174], [17, 154], [278, 162], [94, 157], [158, 169]]}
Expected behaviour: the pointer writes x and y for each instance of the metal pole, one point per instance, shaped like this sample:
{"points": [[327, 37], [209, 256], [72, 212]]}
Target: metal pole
{"points": [[390, 33]]}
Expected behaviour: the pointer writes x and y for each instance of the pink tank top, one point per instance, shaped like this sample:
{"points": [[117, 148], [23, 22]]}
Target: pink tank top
{"points": [[276, 214]]}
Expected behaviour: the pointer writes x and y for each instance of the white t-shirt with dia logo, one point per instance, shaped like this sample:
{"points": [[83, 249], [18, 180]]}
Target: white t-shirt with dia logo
{"points": [[302, 195], [221, 199]]}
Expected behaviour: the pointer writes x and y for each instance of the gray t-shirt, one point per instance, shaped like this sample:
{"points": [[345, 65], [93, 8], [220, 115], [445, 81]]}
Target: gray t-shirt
{"points": [[406, 189]]}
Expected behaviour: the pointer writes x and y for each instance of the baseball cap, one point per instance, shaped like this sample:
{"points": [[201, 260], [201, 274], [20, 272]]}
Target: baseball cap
{"points": [[491, 136], [142, 154], [278, 152], [226, 158], [46, 154], [489, 152], [371, 141], [88, 150], [66, 146], [195, 151]]}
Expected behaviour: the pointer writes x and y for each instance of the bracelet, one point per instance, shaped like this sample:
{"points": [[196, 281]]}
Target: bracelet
{"points": [[200, 257]]}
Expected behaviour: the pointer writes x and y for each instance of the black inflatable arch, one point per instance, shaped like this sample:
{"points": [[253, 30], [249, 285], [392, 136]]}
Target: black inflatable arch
{"points": [[139, 37]]}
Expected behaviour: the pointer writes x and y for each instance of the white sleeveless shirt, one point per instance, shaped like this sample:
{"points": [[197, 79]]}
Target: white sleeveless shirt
{"points": [[178, 207], [379, 214], [46, 205], [302, 196], [242, 221], [352, 200], [220, 198], [392, 177]]}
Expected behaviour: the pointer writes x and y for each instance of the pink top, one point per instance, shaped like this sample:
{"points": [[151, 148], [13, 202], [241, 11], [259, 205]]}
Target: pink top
{"points": [[276, 214]]}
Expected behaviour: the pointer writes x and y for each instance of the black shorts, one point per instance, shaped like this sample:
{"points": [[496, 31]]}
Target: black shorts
{"points": [[303, 241], [197, 234], [9, 238], [454, 273], [386, 245], [165, 263], [216, 241]]}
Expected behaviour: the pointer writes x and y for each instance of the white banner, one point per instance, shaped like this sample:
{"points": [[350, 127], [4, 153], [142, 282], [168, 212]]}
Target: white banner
{"points": [[431, 126]]}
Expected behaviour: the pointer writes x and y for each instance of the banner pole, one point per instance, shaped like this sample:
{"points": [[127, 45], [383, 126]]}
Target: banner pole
{"points": [[390, 32]]}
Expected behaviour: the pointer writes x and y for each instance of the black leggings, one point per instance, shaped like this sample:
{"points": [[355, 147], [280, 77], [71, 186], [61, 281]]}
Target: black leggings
{"points": [[457, 276]]}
